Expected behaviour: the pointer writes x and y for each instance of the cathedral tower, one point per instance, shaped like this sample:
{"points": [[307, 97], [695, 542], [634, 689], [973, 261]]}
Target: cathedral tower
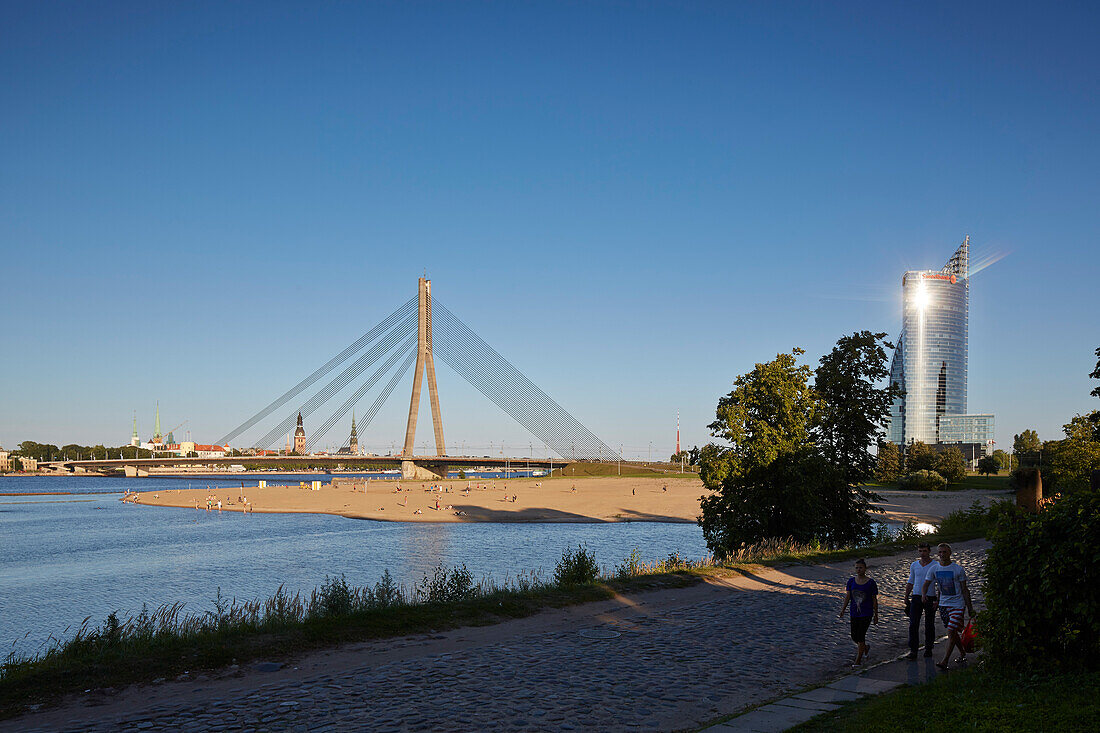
{"points": [[300, 437]]}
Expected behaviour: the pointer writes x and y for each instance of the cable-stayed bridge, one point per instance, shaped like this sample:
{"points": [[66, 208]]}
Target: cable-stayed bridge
{"points": [[409, 337]]}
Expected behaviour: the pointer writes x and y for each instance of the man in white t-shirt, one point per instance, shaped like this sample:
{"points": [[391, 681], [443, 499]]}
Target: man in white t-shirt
{"points": [[915, 607], [950, 580]]}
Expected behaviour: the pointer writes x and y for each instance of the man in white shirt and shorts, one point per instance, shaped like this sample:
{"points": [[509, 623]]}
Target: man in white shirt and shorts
{"points": [[950, 580]]}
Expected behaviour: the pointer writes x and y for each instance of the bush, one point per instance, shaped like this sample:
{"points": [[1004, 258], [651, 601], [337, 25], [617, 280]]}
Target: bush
{"points": [[989, 466], [923, 480], [1041, 590], [576, 567], [977, 518], [445, 586]]}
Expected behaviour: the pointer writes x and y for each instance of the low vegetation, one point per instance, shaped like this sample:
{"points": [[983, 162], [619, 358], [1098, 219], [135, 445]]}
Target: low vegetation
{"points": [[167, 642]]}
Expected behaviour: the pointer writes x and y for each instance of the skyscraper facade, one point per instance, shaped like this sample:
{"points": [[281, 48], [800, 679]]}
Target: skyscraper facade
{"points": [[930, 359]]}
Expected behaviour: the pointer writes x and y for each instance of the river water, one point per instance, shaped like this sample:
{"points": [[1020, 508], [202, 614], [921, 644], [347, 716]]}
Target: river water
{"points": [[86, 554]]}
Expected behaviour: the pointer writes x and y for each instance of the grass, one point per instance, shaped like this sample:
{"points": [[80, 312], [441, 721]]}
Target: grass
{"points": [[977, 699], [584, 469], [972, 481], [166, 643]]}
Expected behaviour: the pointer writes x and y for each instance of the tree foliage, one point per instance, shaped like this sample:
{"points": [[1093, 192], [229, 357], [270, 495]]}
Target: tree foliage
{"points": [[854, 410], [951, 465], [1095, 374], [888, 462], [1026, 443], [1042, 598], [989, 466], [1004, 460], [919, 457], [783, 472]]}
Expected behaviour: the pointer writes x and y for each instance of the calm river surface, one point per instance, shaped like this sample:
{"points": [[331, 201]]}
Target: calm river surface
{"points": [[63, 558]]}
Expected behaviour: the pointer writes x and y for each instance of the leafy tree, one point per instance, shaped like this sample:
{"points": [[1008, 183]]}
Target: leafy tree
{"points": [[888, 463], [770, 411], [772, 480], [951, 465], [677, 457], [919, 457], [1095, 374], [855, 411], [989, 466], [1004, 460], [1068, 463], [1026, 443]]}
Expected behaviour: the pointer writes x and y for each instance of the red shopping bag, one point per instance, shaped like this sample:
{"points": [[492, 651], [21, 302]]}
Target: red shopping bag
{"points": [[969, 637]]}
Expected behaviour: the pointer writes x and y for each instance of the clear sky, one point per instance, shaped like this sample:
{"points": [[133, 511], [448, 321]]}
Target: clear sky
{"points": [[200, 203]]}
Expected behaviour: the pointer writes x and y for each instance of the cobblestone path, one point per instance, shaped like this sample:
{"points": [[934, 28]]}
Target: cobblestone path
{"points": [[676, 659]]}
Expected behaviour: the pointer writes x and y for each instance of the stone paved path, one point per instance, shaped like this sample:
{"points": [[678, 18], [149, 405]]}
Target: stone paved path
{"points": [[675, 660]]}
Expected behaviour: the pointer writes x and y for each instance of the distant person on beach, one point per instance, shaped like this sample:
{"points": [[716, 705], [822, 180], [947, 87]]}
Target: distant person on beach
{"points": [[954, 595], [861, 592], [915, 605]]}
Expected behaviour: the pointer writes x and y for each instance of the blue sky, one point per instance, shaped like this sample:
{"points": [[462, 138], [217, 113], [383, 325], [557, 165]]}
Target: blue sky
{"points": [[634, 202]]}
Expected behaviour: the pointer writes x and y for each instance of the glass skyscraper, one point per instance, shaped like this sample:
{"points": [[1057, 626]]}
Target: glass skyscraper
{"points": [[930, 359]]}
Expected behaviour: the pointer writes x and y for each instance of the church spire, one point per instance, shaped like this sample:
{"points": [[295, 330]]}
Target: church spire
{"points": [[353, 434], [156, 425]]}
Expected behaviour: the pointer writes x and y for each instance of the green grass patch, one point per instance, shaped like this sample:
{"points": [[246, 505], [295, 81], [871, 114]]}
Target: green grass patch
{"points": [[587, 469], [977, 699]]}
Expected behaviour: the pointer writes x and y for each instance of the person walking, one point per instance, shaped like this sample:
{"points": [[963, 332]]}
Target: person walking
{"points": [[861, 592], [954, 595], [915, 606]]}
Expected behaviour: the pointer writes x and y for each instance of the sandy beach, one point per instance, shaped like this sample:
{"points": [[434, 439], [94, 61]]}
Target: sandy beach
{"points": [[672, 498]]}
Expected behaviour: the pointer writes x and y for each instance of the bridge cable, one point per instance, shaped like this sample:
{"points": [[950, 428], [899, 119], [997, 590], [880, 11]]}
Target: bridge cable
{"points": [[508, 388], [539, 412], [410, 343], [342, 380], [327, 367]]}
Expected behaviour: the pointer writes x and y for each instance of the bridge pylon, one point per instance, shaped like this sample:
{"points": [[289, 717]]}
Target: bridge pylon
{"points": [[424, 363]]}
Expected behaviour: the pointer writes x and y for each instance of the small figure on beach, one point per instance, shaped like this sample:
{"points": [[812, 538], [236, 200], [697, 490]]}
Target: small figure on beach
{"points": [[861, 592], [954, 596], [915, 606]]}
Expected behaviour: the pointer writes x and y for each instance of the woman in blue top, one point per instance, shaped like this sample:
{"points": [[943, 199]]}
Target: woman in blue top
{"points": [[862, 594]]}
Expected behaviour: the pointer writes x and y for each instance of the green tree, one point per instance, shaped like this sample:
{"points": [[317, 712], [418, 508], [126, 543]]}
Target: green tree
{"points": [[854, 410], [988, 466], [1095, 374], [1067, 464], [919, 457], [1026, 443], [951, 465], [772, 480], [1004, 460], [888, 464]]}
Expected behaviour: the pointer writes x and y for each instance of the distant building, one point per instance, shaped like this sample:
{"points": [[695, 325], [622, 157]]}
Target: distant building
{"points": [[930, 359], [135, 441], [5, 460], [300, 437], [352, 448]]}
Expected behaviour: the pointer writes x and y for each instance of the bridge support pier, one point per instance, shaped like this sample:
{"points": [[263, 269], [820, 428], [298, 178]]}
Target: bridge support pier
{"points": [[134, 472], [413, 471]]}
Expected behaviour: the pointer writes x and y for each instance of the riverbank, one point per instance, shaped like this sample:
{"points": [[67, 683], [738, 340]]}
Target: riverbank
{"points": [[672, 498], [639, 655]]}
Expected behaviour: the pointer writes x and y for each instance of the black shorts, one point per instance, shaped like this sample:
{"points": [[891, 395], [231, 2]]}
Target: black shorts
{"points": [[860, 624]]}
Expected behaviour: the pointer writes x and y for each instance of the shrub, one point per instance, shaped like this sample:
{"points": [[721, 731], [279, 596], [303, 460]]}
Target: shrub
{"points": [[445, 586], [977, 518], [1041, 589], [631, 566], [923, 480], [576, 567]]}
